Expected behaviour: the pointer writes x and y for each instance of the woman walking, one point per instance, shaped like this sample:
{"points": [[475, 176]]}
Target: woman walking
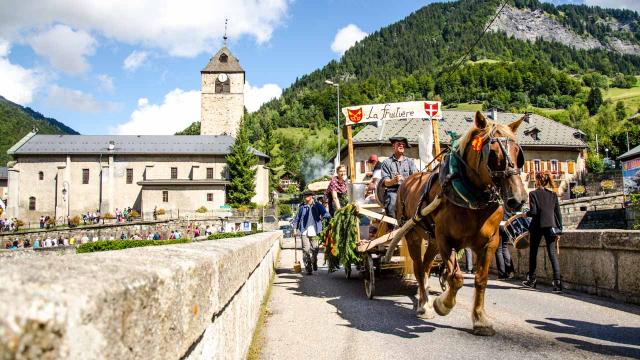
{"points": [[336, 193], [546, 221]]}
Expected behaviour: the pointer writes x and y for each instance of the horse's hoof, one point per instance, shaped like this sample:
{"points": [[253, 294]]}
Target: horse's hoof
{"points": [[483, 330], [440, 308], [426, 314]]}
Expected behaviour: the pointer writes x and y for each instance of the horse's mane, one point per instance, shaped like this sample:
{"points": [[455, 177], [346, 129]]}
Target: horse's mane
{"points": [[502, 129]]}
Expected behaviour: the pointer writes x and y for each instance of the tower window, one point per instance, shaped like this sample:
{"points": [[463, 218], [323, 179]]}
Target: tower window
{"points": [[32, 203], [165, 196], [224, 58], [223, 87], [85, 176], [41, 175], [129, 176], [209, 173], [174, 172], [209, 196]]}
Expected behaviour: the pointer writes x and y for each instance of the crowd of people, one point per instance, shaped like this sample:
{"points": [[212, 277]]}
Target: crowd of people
{"points": [[10, 224]]}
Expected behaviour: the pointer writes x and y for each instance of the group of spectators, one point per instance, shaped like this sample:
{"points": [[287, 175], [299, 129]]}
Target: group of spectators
{"points": [[124, 214], [8, 224], [91, 217]]}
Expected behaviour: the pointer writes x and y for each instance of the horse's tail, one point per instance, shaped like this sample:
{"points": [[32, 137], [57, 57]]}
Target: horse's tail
{"points": [[410, 225]]}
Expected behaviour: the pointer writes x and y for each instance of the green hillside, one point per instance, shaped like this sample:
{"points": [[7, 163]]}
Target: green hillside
{"points": [[418, 57], [16, 121]]}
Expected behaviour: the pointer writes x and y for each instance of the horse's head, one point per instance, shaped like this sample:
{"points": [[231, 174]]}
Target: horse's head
{"points": [[491, 150]]}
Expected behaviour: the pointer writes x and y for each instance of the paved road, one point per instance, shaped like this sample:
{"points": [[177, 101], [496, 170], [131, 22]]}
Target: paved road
{"points": [[326, 316]]}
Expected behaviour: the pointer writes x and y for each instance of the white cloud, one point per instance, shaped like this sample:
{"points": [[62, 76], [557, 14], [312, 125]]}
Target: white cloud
{"points": [[255, 96], [135, 60], [181, 28], [65, 48], [76, 100], [17, 84], [178, 110], [616, 4], [346, 38], [106, 82]]}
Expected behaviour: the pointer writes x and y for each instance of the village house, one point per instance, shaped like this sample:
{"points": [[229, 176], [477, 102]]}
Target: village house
{"points": [[68, 175], [3, 186], [547, 145]]}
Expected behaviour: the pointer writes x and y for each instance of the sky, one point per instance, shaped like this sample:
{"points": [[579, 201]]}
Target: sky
{"points": [[133, 67]]}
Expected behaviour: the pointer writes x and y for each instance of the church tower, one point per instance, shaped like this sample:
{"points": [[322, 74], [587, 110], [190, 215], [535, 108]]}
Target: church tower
{"points": [[222, 95]]}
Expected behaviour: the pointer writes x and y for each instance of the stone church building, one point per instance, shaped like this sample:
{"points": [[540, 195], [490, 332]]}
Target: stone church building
{"points": [[68, 175]]}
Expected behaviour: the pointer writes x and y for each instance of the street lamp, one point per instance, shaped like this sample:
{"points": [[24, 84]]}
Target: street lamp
{"points": [[337, 86], [607, 152]]}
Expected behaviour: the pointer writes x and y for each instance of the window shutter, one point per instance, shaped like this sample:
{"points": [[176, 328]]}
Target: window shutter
{"points": [[527, 166], [362, 167], [570, 167], [549, 165]]}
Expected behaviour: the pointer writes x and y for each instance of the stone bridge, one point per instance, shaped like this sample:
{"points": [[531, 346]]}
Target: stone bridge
{"points": [[203, 301]]}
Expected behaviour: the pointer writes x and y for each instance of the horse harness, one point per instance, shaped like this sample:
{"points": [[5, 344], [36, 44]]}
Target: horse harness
{"points": [[455, 186]]}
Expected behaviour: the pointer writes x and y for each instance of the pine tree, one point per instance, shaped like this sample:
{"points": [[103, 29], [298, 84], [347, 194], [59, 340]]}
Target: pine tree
{"points": [[241, 163]]}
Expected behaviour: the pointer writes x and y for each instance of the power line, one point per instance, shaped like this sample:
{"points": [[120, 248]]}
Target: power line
{"points": [[476, 42]]}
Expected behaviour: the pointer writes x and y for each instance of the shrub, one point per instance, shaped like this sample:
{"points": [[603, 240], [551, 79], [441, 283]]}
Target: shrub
{"points": [[75, 220], [108, 216], [19, 224], [108, 245], [160, 211], [51, 222], [578, 190], [595, 164], [227, 235], [284, 210], [607, 184], [202, 210], [134, 214]]}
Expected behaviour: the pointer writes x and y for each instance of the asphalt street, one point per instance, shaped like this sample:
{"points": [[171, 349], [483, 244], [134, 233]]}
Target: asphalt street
{"points": [[326, 316]]}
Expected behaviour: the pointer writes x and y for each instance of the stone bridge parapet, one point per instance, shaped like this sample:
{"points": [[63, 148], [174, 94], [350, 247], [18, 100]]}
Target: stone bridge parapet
{"points": [[192, 301]]}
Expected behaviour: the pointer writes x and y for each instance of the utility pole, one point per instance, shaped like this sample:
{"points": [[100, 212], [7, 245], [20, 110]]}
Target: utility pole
{"points": [[627, 141]]}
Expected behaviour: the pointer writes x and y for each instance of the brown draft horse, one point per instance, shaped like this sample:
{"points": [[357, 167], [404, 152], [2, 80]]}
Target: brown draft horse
{"points": [[458, 227]]}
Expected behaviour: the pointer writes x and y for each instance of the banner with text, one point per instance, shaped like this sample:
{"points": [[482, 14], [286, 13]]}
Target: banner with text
{"points": [[392, 111]]}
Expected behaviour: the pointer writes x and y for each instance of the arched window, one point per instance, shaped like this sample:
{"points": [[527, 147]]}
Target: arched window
{"points": [[223, 58], [223, 87], [41, 175], [32, 203]]}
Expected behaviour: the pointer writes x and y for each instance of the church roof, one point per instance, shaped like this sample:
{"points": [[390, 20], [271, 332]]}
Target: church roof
{"points": [[549, 133], [218, 65], [127, 145]]}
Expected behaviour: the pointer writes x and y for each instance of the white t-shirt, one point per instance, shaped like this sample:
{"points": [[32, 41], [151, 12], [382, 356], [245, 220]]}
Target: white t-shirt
{"points": [[377, 174], [310, 231]]}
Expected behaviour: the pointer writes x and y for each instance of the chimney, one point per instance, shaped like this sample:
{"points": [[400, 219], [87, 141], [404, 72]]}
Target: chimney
{"points": [[112, 145], [494, 114]]}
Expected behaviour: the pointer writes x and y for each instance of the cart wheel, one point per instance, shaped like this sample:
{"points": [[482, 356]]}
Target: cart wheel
{"points": [[369, 276], [347, 271]]}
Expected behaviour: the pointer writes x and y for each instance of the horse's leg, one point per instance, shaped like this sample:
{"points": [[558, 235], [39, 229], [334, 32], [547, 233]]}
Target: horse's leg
{"points": [[447, 300], [427, 261], [481, 323], [414, 245]]}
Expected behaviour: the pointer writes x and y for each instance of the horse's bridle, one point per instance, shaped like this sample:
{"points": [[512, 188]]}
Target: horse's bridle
{"points": [[510, 167]]}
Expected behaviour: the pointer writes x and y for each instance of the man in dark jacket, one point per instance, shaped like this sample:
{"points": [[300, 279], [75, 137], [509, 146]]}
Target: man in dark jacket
{"points": [[308, 224]]}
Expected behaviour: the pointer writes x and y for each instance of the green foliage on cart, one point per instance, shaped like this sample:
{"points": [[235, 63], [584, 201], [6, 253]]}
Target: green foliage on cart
{"points": [[341, 239]]}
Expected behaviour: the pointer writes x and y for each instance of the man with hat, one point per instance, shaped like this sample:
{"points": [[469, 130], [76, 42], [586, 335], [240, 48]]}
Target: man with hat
{"points": [[308, 223], [394, 171]]}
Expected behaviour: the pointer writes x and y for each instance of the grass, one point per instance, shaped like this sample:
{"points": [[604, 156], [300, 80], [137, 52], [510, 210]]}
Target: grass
{"points": [[466, 107], [257, 341]]}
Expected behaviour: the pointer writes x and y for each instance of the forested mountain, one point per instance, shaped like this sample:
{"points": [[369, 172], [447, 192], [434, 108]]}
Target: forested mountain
{"points": [[438, 52], [16, 121]]}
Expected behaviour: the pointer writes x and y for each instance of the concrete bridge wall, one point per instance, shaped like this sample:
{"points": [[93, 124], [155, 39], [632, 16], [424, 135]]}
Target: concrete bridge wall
{"points": [[595, 212], [194, 301], [602, 262]]}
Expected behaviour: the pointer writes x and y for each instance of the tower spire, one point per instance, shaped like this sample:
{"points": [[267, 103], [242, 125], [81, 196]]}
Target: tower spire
{"points": [[226, 20]]}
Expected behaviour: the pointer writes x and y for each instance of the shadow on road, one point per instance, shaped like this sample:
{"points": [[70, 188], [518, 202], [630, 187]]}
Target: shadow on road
{"points": [[608, 332], [391, 312]]}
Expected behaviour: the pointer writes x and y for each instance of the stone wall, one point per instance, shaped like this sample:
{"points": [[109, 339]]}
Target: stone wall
{"points": [[595, 212], [592, 181], [196, 301], [601, 262]]}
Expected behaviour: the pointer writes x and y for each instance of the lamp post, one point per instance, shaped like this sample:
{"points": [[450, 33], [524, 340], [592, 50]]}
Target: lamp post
{"points": [[337, 86]]}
